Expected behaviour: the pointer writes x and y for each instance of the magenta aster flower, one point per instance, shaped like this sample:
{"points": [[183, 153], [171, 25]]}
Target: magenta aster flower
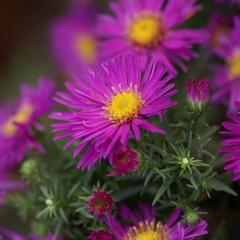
{"points": [[101, 235], [73, 41], [111, 102], [230, 147], [17, 122], [145, 226], [219, 29], [197, 93], [226, 81], [151, 26], [100, 203], [124, 160]]}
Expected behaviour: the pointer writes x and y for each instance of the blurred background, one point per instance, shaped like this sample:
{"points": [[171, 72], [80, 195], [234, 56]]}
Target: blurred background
{"points": [[25, 51]]}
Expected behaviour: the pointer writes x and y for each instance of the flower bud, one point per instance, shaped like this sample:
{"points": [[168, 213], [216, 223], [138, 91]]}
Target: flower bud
{"points": [[191, 217], [28, 167], [197, 94], [125, 160], [100, 203]]}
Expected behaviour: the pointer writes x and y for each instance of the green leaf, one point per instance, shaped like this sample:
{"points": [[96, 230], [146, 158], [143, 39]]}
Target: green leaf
{"points": [[148, 178], [218, 185], [162, 190], [128, 192]]}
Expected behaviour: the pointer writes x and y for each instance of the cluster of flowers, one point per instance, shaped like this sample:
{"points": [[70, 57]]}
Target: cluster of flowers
{"points": [[124, 65], [225, 44]]}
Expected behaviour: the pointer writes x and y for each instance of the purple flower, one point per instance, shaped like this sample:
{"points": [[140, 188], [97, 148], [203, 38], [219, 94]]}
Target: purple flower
{"points": [[101, 235], [219, 29], [143, 225], [110, 102], [230, 147], [124, 160], [226, 81], [17, 122], [151, 26], [197, 93], [72, 39], [100, 203]]}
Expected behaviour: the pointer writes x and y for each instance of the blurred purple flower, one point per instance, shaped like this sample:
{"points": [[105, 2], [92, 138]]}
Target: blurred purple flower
{"points": [[72, 39], [143, 225], [226, 79], [17, 122], [151, 26], [219, 28], [230, 147], [111, 102]]}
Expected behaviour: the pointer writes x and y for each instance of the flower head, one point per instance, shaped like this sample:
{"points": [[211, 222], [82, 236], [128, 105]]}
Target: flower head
{"points": [[219, 30], [230, 147], [73, 41], [17, 122], [145, 226], [197, 93], [150, 26], [101, 235], [124, 160], [110, 102], [226, 80], [100, 203]]}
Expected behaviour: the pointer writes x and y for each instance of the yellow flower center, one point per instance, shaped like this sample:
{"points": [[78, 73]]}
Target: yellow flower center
{"points": [[22, 116], [148, 231], [124, 106], [234, 65], [146, 30], [86, 47]]}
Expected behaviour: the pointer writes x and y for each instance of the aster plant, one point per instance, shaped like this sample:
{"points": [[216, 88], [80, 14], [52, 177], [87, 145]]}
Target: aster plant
{"points": [[151, 27], [133, 145]]}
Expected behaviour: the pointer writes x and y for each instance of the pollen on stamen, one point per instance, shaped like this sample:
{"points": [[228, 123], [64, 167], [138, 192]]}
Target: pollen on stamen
{"points": [[146, 30], [86, 47], [234, 65], [124, 106], [22, 116], [148, 230]]}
